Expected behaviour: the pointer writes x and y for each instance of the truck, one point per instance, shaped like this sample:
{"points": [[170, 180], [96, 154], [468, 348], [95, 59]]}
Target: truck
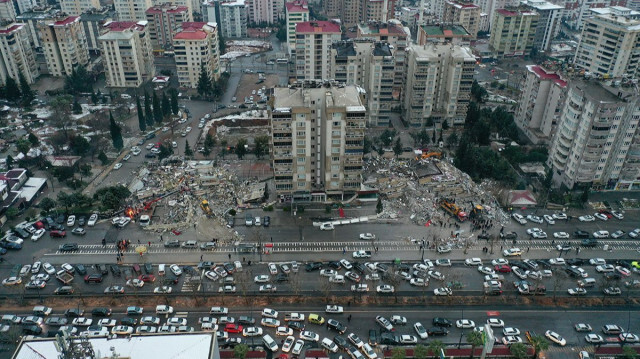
{"points": [[453, 210], [63, 276], [294, 317], [362, 254]]}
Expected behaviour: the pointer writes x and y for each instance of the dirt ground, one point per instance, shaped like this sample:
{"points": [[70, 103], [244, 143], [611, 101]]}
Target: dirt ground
{"points": [[248, 84]]}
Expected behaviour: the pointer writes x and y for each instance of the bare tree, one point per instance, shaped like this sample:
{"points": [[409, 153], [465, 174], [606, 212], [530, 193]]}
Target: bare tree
{"points": [[325, 286], [244, 279]]}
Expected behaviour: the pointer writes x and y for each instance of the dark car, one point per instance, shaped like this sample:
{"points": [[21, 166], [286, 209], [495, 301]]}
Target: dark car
{"points": [[313, 266], [101, 312], [373, 337], [389, 339], [442, 322], [82, 221], [141, 142], [129, 321], [115, 270], [243, 319], [589, 242], [21, 233], [57, 234], [544, 262], [74, 313], [229, 267], [580, 234], [612, 276], [56, 227], [10, 245], [93, 278], [359, 267], [573, 272], [231, 222], [64, 290], [231, 343], [333, 324], [624, 263], [80, 269], [281, 277], [60, 219], [299, 326], [437, 331], [189, 270], [335, 265], [68, 247], [509, 235], [206, 265], [148, 268], [483, 236], [266, 221], [172, 243], [576, 261], [102, 269], [170, 280], [32, 330], [341, 342], [150, 155]]}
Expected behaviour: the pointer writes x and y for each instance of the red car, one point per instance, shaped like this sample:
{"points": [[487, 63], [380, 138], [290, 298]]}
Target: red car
{"points": [[606, 213], [503, 268], [57, 234], [93, 278], [147, 278], [233, 328]]}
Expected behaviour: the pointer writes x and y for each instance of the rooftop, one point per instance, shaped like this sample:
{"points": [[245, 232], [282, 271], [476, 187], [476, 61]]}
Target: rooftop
{"points": [[445, 30], [125, 25], [544, 75], [541, 5], [462, 4], [11, 28], [297, 6], [382, 49], [192, 31], [286, 97], [329, 27], [344, 48], [233, 3], [381, 28], [595, 90], [66, 21], [515, 12], [166, 7]]}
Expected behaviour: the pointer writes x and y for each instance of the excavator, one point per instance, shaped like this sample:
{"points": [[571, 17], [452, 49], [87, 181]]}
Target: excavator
{"points": [[453, 209], [426, 155]]}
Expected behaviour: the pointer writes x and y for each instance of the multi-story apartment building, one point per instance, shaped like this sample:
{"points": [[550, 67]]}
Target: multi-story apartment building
{"points": [[317, 138], [164, 21], [443, 33], [353, 12], [210, 11], [16, 54], [127, 53], [132, 10], [313, 48], [348, 61], [23, 6], [596, 129], [233, 19], [77, 7], [379, 10], [548, 22], [540, 104], [489, 7], [264, 11], [196, 48], [333, 8], [64, 44], [32, 19], [7, 10], [462, 13], [439, 78], [92, 23], [576, 12], [610, 43], [513, 32], [297, 11]]}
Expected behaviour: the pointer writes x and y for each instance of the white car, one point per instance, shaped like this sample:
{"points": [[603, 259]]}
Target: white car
{"points": [[263, 278], [511, 331], [345, 264], [288, 344], [327, 272], [534, 219], [435, 275], [309, 336], [82, 322], [635, 233], [555, 337], [211, 275], [499, 262], [367, 236], [617, 214], [38, 234], [122, 330], [495, 322], [175, 269], [335, 309], [273, 269], [559, 216], [297, 347], [539, 235], [284, 331], [117, 166], [135, 282], [71, 220], [465, 324], [485, 270], [442, 291], [605, 268], [361, 254], [420, 330], [549, 219], [267, 288], [107, 322], [557, 261], [385, 288], [163, 290], [50, 269], [269, 313], [561, 235], [337, 279], [360, 288], [443, 262], [93, 219], [519, 218], [593, 338], [419, 282], [617, 234], [408, 339], [601, 234], [597, 261], [511, 339], [577, 291], [601, 216], [628, 338], [326, 227], [473, 262], [385, 323], [586, 218], [512, 252]]}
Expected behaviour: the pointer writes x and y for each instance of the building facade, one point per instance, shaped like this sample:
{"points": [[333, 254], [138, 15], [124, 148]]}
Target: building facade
{"points": [[164, 21], [297, 11], [540, 104], [513, 32], [597, 127], [438, 86], [92, 23], [381, 67], [462, 13], [264, 11], [32, 19], [7, 10], [577, 11], [313, 48], [77, 7], [443, 33], [127, 53], [16, 54], [132, 10], [64, 44], [610, 43], [317, 138], [379, 10], [548, 22], [233, 19], [196, 48]]}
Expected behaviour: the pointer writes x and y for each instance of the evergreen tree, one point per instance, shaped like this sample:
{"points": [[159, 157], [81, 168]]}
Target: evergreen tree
{"points": [[12, 91], [27, 93], [116, 133], [77, 109], [166, 106], [147, 109], [204, 82], [397, 148], [187, 149], [141, 120], [157, 109], [240, 148], [174, 101], [33, 139], [209, 141]]}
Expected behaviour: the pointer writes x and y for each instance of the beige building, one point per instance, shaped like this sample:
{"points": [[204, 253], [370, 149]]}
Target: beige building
{"points": [[64, 44], [317, 138], [164, 21], [297, 11], [513, 32], [313, 48], [462, 13], [127, 53], [379, 10], [16, 54], [195, 46], [610, 43], [132, 10], [540, 103], [7, 10], [77, 7], [439, 78]]}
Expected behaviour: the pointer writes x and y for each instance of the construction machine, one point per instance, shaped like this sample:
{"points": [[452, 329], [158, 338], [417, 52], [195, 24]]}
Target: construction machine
{"points": [[453, 209], [205, 207]]}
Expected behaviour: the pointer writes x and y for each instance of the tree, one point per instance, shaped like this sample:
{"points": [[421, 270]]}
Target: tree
{"points": [[165, 151], [47, 204], [147, 109], [539, 343], [435, 347], [452, 140], [12, 212], [475, 339], [206, 152], [11, 89], [240, 351], [111, 197], [141, 121], [261, 146], [445, 125], [379, 206], [518, 350], [157, 109], [366, 145], [61, 113], [397, 148], [116, 133], [33, 139], [79, 81], [23, 145], [629, 352], [77, 109], [10, 162], [166, 106], [240, 148], [398, 353], [204, 82], [209, 141], [27, 93], [103, 158], [387, 137], [85, 170], [187, 149], [79, 145], [94, 98], [174, 101], [420, 352], [584, 197]]}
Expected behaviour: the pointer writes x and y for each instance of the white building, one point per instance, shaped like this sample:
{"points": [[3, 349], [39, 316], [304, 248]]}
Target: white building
{"points": [[313, 48], [64, 44], [576, 12], [233, 19], [196, 47], [23, 6], [548, 23], [16, 54], [439, 78], [77, 7], [296, 12], [127, 53], [7, 10]]}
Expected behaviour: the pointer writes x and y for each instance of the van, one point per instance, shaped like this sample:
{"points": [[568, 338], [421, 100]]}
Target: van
{"points": [[248, 220], [41, 310], [238, 266], [161, 269], [587, 282], [144, 220], [269, 343], [164, 309]]}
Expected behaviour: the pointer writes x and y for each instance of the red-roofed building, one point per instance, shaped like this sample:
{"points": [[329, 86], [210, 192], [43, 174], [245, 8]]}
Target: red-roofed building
{"points": [[64, 43], [16, 53], [77, 7], [127, 53], [165, 20], [313, 48], [7, 10], [463, 13], [513, 32], [297, 11], [540, 103], [196, 47]]}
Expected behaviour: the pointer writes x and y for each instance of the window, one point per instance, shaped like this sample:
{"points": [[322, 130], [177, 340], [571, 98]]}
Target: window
{"points": [[300, 151], [302, 159]]}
